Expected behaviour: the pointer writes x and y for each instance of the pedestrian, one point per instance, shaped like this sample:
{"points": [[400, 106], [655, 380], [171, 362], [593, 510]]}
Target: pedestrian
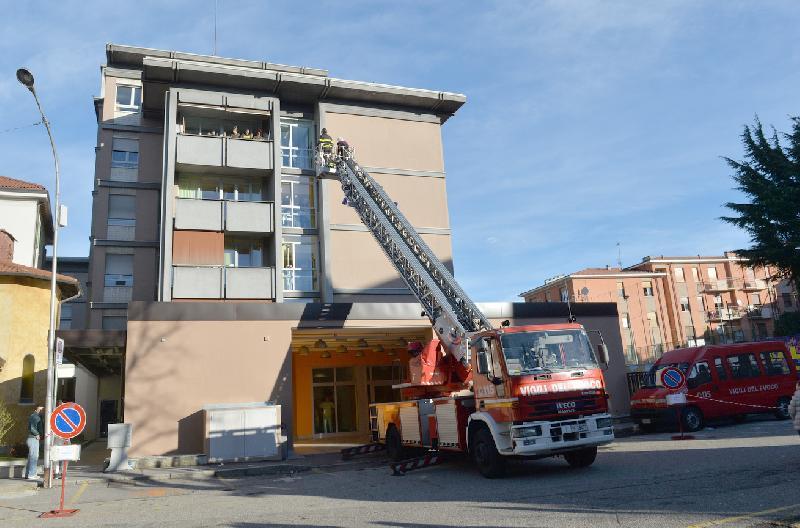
{"points": [[325, 145], [343, 148], [327, 407], [794, 408], [35, 433]]}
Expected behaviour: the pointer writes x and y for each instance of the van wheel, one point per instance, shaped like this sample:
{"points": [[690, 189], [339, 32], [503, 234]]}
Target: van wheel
{"points": [[692, 419], [782, 413], [582, 457], [394, 444], [490, 463]]}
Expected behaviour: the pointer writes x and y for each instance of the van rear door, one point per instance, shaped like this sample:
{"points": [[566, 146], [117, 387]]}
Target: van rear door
{"points": [[746, 390]]}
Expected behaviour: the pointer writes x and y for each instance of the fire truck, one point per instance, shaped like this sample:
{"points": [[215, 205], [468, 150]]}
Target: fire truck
{"points": [[495, 394]]}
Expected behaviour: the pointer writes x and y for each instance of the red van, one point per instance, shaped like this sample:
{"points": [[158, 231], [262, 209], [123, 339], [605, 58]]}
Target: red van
{"points": [[723, 381]]}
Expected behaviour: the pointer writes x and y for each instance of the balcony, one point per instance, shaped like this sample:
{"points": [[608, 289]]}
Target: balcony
{"points": [[117, 294], [754, 285], [215, 151], [224, 215], [725, 314], [219, 282], [759, 312], [716, 286]]}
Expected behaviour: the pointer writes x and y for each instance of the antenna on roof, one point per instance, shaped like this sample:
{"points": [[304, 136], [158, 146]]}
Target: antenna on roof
{"points": [[571, 318], [619, 255], [215, 27]]}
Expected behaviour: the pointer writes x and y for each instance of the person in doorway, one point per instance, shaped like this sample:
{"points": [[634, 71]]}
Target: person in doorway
{"points": [[794, 408], [35, 434], [326, 407], [325, 146]]}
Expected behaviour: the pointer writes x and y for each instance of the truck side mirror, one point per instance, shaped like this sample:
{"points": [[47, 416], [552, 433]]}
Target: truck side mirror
{"points": [[483, 362], [602, 353]]}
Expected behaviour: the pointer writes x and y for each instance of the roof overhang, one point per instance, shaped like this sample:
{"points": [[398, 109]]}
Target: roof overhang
{"points": [[622, 275]]}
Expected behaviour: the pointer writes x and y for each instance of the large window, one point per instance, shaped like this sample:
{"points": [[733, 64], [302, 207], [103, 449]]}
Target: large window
{"points": [[65, 317], [119, 270], [244, 252], [298, 203], [300, 263], [121, 210], [334, 400], [744, 366], [125, 153], [236, 127], [129, 98], [297, 143], [220, 188], [775, 363]]}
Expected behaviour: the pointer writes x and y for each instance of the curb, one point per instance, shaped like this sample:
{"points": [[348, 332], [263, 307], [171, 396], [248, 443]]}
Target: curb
{"points": [[201, 474]]}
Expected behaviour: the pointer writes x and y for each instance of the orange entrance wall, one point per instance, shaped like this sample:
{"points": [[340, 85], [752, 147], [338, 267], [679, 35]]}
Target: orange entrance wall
{"points": [[302, 382]]}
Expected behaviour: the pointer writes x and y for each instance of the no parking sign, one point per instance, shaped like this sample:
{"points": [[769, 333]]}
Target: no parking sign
{"points": [[68, 420]]}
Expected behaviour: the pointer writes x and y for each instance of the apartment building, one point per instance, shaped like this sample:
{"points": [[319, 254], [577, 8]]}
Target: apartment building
{"points": [[25, 216], [668, 302]]}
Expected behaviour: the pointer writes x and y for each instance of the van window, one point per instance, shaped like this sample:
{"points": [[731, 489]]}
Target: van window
{"points": [[700, 375], [653, 376], [774, 363], [720, 368], [744, 366]]}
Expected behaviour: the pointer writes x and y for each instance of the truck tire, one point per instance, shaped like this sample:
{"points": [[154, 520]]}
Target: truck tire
{"points": [[582, 457], [394, 444], [490, 463], [782, 412], [692, 419]]}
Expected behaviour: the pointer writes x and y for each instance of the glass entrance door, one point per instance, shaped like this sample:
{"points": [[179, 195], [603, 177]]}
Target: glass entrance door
{"points": [[334, 400]]}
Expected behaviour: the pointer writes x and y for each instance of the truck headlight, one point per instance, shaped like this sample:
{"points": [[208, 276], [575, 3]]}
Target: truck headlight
{"points": [[521, 432], [603, 423]]}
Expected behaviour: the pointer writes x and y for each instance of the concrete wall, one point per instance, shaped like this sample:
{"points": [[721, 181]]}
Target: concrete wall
{"points": [[20, 217], [86, 396]]}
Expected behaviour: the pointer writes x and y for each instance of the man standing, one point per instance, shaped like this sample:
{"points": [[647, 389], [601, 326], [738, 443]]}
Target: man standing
{"points": [[326, 149], [35, 433]]}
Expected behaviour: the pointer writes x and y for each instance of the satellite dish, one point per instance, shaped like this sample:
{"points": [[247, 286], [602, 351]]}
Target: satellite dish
{"points": [[584, 291]]}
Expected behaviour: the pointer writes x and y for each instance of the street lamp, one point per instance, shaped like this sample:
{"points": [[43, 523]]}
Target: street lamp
{"points": [[26, 78]]}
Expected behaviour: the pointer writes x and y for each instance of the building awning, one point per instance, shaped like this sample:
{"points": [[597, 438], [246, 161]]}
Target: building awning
{"points": [[101, 351]]}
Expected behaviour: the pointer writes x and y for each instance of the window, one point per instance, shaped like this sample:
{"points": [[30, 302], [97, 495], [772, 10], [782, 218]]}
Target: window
{"points": [[297, 147], [679, 275], [125, 153], [700, 375], [26, 381], [129, 98], [119, 270], [219, 188], [626, 320], [621, 290], [65, 317], [244, 253], [712, 273], [563, 294], [787, 299], [695, 276], [684, 304], [755, 299], [236, 127], [775, 363], [652, 319], [300, 263], [744, 366], [718, 303], [647, 287], [121, 210], [720, 368], [114, 322], [298, 204]]}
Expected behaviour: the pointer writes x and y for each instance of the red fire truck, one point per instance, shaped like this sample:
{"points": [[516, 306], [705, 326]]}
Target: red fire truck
{"points": [[495, 393]]}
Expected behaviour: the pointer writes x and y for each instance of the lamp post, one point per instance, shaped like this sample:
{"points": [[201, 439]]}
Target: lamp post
{"points": [[26, 78]]}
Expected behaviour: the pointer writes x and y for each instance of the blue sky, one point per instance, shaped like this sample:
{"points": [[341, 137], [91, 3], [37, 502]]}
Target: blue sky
{"points": [[586, 124]]}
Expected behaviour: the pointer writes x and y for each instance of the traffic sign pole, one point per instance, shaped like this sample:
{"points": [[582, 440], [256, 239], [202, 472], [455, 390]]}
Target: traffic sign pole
{"points": [[66, 421], [674, 380]]}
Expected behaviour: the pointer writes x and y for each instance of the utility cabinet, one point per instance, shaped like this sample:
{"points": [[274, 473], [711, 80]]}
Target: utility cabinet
{"points": [[245, 431]]}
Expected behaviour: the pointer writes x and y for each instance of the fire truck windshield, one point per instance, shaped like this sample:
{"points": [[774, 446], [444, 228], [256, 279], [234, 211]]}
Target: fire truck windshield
{"points": [[539, 352]]}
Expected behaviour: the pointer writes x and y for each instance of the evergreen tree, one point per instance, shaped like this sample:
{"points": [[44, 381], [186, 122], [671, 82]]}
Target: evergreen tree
{"points": [[769, 176]]}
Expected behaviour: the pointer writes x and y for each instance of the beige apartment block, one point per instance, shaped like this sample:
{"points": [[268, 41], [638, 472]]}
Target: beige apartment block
{"points": [[669, 302]]}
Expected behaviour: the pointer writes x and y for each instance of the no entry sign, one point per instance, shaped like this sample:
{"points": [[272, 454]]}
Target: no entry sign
{"points": [[673, 379], [68, 420]]}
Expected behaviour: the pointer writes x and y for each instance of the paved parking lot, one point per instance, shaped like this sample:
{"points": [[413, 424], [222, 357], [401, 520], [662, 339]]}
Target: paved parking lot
{"points": [[742, 475]]}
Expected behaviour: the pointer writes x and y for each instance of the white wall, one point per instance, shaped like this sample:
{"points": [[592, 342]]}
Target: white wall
{"points": [[86, 397], [19, 217]]}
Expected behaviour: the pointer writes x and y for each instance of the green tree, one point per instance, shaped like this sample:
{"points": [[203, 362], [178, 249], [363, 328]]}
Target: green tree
{"points": [[788, 324], [6, 421], [769, 176]]}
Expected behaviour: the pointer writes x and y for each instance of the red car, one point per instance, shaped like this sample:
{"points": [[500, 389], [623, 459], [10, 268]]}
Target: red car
{"points": [[722, 381]]}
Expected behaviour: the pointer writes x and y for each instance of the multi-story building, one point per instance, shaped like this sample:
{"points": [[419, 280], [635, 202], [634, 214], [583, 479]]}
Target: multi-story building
{"points": [[667, 302], [25, 215], [223, 271]]}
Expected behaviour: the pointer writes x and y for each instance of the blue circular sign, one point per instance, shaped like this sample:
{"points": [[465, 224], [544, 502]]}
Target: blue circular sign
{"points": [[673, 379], [68, 420]]}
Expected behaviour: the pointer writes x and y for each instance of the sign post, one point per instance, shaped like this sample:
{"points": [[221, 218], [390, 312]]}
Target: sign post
{"points": [[674, 380], [66, 421]]}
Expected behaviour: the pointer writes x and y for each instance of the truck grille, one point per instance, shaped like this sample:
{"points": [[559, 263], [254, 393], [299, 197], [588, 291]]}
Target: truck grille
{"points": [[561, 407]]}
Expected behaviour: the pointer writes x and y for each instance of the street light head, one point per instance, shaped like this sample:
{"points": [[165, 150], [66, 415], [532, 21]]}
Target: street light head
{"points": [[26, 78]]}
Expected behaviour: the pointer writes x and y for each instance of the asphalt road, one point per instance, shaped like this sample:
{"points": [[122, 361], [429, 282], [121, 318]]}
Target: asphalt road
{"points": [[731, 476]]}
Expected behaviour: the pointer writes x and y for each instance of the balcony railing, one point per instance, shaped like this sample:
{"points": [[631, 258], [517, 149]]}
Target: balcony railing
{"points": [[221, 282], [215, 151], [224, 215], [725, 314], [717, 285], [759, 312], [754, 285]]}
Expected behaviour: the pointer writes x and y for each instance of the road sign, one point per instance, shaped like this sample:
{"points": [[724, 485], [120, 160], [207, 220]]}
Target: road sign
{"points": [[68, 420], [59, 351], [65, 452], [673, 379]]}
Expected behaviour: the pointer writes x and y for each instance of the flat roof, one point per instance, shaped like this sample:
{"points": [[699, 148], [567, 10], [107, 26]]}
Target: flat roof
{"points": [[595, 273]]}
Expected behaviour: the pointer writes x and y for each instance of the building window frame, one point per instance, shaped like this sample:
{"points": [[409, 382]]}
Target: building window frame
{"points": [[241, 252], [294, 155], [300, 276], [304, 214], [133, 102]]}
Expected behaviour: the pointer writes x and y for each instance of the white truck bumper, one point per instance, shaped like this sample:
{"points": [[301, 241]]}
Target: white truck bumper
{"points": [[542, 438]]}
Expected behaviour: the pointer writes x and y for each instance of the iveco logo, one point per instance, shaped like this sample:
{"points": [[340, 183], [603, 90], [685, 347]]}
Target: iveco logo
{"points": [[565, 406]]}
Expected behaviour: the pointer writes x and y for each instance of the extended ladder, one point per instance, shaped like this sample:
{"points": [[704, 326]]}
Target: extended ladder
{"points": [[450, 310]]}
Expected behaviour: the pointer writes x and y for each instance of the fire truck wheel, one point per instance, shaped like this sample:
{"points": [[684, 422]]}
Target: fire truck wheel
{"points": [[692, 419], [394, 444], [782, 413], [582, 457], [490, 463]]}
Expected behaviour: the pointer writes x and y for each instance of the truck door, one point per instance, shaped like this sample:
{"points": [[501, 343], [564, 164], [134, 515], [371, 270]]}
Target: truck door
{"points": [[700, 383]]}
